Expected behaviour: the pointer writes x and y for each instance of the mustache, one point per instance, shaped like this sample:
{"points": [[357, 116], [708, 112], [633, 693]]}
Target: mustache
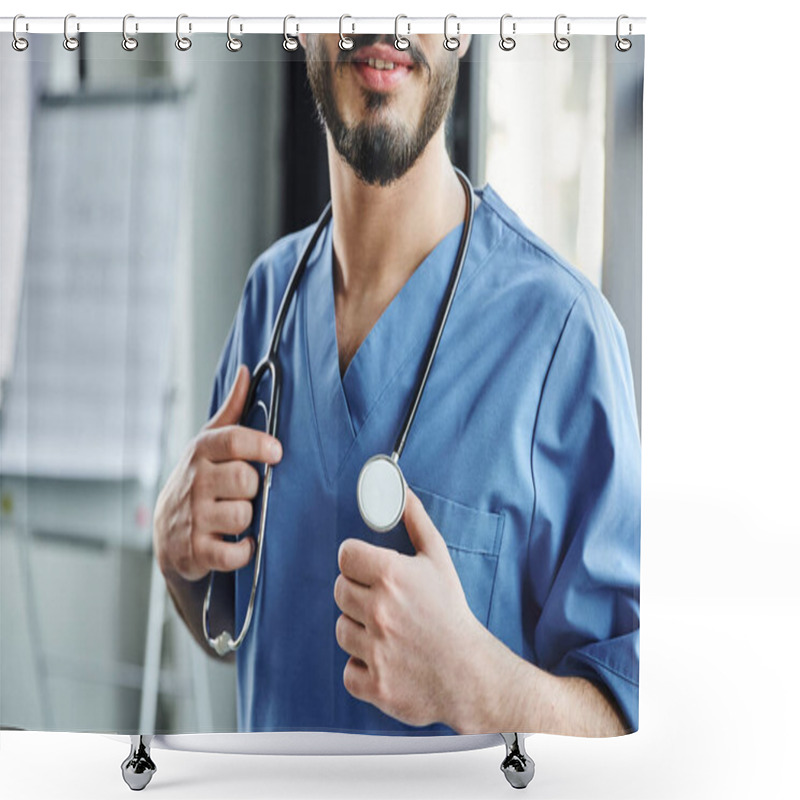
{"points": [[368, 39]]}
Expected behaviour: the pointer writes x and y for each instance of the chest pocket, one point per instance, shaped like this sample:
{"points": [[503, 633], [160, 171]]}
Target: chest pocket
{"points": [[473, 538]]}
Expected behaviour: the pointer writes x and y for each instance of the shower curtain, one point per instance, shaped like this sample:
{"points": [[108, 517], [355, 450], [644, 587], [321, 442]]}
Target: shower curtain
{"points": [[155, 202]]}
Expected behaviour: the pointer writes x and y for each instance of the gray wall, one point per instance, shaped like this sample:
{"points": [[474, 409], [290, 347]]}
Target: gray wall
{"points": [[85, 614], [622, 242]]}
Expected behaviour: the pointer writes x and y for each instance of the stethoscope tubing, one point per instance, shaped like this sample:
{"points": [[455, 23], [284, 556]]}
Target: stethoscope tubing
{"points": [[224, 643], [270, 360], [433, 345]]}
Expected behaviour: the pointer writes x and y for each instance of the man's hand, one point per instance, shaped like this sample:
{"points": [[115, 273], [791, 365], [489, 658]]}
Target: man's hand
{"points": [[209, 494], [405, 623], [419, 654]]}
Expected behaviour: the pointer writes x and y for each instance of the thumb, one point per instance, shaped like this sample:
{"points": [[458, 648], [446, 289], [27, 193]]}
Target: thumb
{"points": [[423, 533], [230, 412]]}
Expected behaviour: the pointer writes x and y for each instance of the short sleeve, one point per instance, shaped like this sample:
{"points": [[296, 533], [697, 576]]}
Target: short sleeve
{"points": [[583, 555]]}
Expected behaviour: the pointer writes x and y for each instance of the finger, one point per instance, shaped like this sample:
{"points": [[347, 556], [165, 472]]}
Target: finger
{"points": [[423, 533], [352, 599], [229, 516], [357, 679], [352, 637], [233, 480], [216, 554], [238, 443], [363, 562], [230, 412]]}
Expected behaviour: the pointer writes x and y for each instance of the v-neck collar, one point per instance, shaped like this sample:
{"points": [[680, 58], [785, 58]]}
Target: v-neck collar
{"points": [[396, 342]]}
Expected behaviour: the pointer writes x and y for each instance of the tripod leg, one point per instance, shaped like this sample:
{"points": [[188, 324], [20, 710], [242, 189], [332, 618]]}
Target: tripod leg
{"points": [[138, 768], [517, 766]]}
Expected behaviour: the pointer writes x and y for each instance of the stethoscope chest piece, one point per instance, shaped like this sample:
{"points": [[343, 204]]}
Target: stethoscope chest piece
{"points": [[381, 493]]}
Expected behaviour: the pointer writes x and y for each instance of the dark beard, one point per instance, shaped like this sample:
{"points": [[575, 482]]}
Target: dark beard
{"points": [[379, 153]]}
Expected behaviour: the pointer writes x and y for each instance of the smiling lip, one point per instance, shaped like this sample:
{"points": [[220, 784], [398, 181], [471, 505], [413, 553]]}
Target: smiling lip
{"points": [[381, 68]]}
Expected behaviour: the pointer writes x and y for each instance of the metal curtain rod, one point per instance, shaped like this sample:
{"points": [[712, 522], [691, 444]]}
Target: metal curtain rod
{"points": [[519, 26]]}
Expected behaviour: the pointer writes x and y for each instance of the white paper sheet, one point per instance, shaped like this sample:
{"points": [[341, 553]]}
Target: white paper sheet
{"points": [[87, 390]]}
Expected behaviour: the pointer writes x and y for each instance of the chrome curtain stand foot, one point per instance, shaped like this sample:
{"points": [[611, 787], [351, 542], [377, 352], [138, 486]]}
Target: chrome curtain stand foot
{"points": [[517, 766], [138, 768]]}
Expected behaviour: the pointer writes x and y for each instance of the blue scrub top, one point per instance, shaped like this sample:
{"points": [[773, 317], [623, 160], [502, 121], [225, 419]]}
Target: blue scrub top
{"points": [[525, 453]]}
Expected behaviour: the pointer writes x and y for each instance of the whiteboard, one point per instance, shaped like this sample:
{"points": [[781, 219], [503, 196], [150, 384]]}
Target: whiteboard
{"points": [[86, 396]]}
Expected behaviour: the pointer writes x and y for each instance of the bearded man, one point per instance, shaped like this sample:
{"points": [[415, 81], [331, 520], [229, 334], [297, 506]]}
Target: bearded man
{"points": [[507, 599]]}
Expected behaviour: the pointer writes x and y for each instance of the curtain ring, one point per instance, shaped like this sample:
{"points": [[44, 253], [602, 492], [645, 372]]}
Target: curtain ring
{"points": [[451, 42], [233, 44], [623, 45], [401, 42], [18, 43], [561, 43], [70, 42], [507, 43], [183, 43], [345, 42], [289, 42], [128, 42]]}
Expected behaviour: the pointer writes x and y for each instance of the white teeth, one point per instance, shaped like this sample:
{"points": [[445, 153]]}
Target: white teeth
{"points": [[377, 63]]}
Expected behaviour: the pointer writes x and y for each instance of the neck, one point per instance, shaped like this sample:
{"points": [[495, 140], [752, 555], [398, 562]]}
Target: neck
{"points": [[382, 233]]}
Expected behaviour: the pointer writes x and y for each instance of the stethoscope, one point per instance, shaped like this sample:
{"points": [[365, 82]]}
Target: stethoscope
{"points": [[381, 489]]}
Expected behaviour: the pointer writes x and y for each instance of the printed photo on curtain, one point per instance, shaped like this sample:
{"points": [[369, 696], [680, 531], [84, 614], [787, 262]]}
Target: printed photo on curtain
{"points": [[320, 400]]}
